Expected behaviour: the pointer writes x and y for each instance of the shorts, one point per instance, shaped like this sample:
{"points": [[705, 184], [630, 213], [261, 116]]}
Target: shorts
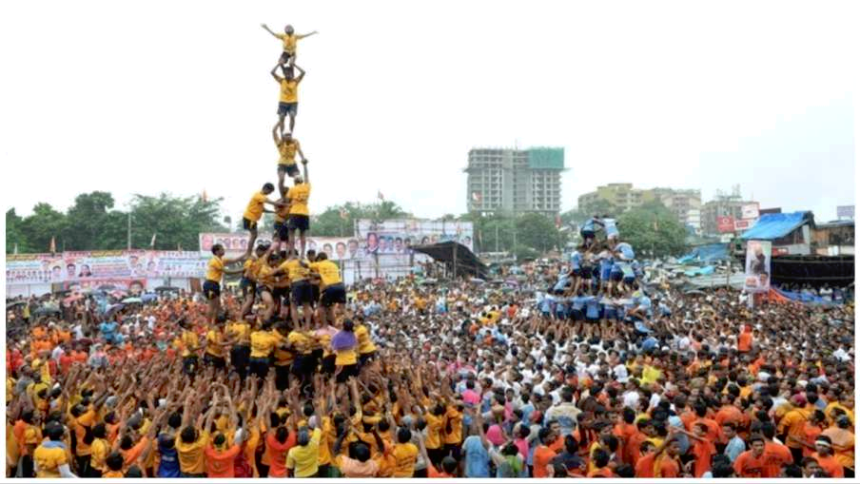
{"points": [[280, 293], [302, 293], [282, 377], [585, 272], [334, 294], [215, 361], [587, 234], [247, 286], [299, 222], [346, 372], [302, 365], [616, 276], [212, 290], [328, 364], [189, 364], [262, 288], [605, 273], [259, 367], [365, 358], [290, 170], [610, 314], [249, 224], [285, 109], [239, 356], [281, 231], [577, 314], [285, 57], [453, 450], [577, 272], [315, 294]]}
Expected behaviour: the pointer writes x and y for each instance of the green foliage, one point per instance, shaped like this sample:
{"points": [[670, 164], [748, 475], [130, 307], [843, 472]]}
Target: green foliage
{"points": [[92, 224], [339, 220], [653, 230], [523, 234]]}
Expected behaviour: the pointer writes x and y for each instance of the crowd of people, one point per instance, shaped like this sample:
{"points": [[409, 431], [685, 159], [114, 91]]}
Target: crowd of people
{"points": [[297, 375]]}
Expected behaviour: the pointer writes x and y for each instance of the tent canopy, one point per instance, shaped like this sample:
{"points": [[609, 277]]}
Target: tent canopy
{"points": [[706, 254], [775, 225], [467, 263]]}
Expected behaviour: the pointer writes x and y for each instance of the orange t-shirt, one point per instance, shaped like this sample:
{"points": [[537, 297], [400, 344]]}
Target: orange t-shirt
{"points": [[667, 467], [775, 456], [703, 450], [434, 473], [625, 432], [645, 465], [278, 454], [747, 465], [602, 472], [221, 464], [745, 341], [830, 465], [543, 456]]}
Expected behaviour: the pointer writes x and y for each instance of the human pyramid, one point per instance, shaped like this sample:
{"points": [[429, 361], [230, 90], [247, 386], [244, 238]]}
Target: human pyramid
{"points": [[299, 290]]}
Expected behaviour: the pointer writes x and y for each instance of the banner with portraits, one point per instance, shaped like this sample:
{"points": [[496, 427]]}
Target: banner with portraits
{"points": [[120, 265], [336, 248], [757, 273], [395, 237]]}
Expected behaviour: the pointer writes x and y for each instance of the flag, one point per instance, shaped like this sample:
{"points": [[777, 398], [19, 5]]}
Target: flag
{"points": [[379, 195], [557, 222], [204, 196], [343, 214], [476, 197], [178, 247], [53, 248], [152, 242], [16, 249]]}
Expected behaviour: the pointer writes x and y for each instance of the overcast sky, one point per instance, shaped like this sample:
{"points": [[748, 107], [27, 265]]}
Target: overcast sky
{"points": [[144, 97]]}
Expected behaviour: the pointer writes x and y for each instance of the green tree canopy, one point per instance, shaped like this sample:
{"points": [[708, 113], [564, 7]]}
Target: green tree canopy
{"points": [[653, 230]]}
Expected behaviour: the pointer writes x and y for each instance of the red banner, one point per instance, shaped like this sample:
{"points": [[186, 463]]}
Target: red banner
{"points": [[725, 224]]}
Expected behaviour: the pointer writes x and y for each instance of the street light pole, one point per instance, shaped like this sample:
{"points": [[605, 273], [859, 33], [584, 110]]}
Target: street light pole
{"points": [[129, 230]]}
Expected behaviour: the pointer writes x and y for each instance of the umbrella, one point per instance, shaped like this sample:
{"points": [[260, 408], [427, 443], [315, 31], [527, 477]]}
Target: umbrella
{"points": [[166, 288], [113, 308], [695, 292], [149, 297], [106, 287], [46, 310], [477, 280], [16, 304], [132, 300]]}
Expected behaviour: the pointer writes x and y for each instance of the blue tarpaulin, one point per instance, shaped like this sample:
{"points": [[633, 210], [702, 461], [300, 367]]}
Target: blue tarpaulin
{"points": [[803, 297], [706, 254], [701, 271], [775, 225]]}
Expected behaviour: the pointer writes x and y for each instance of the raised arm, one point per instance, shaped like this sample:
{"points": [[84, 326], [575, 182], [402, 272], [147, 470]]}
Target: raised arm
{"points": [[299, 151], [275, 73], [305, 169], [267, 29], [301, 73], [304, 36]]}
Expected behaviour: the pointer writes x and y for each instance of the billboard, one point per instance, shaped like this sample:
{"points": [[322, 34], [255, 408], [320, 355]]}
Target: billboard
{"points": [[741, 225], [396, 236], [336, 248], [749, 211], [725, 224], [92, 267], [757, 273], [845, 211]]}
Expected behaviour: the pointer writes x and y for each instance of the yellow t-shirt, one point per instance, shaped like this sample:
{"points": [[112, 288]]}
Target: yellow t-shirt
{"points": [[328, 271], [100, 451], [289, 91], [190, 343], [49, 460], [282, 357], [299, 196], [434, 430], [215, 269], [345, 357], [287, 150], [191, 456], [295, 270], [289, 42], [305, 459], [241, 332], [282, 213], [300, 341], [254, 210], [405, 456], [262, 344], [213, 343], [365, 344]]}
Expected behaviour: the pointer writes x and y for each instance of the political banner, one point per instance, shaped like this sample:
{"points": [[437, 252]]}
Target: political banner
{"points": [[741, 225], [757, 273], [397, 236], [845, 211], [99, 265], [749, 211], [336, 248], [725, 224]]}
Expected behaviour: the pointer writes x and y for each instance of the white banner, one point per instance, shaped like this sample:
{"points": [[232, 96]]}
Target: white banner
{"points": [[757, 274]]}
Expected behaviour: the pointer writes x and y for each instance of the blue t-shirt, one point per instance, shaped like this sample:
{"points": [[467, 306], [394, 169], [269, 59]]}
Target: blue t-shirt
{"points": [[592, 308], [562, 281], [579, 302], [610, 227], [546, 304], [168, 465], [108, 328], [605, 267], [588, 226], [477, 457], [626, 250], [576, 260]]}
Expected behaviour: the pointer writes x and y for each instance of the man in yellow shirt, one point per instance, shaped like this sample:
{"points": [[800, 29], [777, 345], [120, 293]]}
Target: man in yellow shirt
{"points": [[256, 207], [239, 337], [215, 271], [333, 290], [287, 147], [50, 459], [298, 272], [288, 102], [262, 345], [284, 356], [289, 38], [215, 344], [303, 459], [299, 212]]}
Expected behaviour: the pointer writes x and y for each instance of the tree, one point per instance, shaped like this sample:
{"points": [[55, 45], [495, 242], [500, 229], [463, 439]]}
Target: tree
{"points": [[94, 227], [14, 236], [653, 230], [339, 220], [175, 220], [537, 232], [45, 223]]}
